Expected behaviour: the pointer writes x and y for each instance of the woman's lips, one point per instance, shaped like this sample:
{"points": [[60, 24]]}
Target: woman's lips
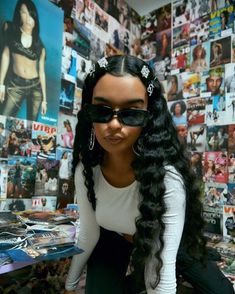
{"points": [[114, 139]]}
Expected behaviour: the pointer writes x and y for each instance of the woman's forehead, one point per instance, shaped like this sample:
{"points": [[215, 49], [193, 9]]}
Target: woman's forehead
{"points": [[120, 89]]}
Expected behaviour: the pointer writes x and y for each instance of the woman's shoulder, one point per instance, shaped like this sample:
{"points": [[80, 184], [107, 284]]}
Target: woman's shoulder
{"points": [[79, 171], [7, 26], [173, 174]]}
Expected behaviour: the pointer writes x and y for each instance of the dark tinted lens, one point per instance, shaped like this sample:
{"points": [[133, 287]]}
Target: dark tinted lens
{"points": [[98, 113], [134, 117]]}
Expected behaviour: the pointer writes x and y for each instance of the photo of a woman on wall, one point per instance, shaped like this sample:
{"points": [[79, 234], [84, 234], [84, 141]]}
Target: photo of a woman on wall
{"points": [[216, 54], [22, 67], [199, 59], [67, 136], [174, 91]]}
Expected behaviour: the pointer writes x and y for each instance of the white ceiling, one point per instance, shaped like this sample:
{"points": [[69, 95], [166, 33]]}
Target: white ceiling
{"points": [[143, 7]]}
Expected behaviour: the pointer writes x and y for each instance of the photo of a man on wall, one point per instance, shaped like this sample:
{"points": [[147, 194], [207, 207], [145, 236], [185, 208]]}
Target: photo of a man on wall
{"points": [[214, 82]]}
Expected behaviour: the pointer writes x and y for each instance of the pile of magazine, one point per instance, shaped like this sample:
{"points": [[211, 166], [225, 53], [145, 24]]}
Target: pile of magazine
{"points": [[50, 239], [35, 233], [45, 217]]}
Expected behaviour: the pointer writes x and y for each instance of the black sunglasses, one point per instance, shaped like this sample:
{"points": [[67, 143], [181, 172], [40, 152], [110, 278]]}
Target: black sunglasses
{"points": [[104, 114]]}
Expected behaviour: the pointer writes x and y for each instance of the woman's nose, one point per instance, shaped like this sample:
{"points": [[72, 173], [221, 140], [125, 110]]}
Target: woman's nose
{"points": [[115, 123]]}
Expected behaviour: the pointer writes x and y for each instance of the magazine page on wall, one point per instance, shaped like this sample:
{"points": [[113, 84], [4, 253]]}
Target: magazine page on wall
{"points": [[31, 83]]}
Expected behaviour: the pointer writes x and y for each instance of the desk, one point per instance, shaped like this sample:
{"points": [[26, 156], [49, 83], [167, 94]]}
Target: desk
{"points": [[22, 259]]}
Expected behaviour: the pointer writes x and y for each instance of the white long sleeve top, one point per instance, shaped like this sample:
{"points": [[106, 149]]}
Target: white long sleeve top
{"points": [[116, 210]]}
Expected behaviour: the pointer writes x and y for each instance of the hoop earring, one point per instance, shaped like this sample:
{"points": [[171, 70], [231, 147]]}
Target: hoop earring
{"points": [[92, 140], [138, 147]]}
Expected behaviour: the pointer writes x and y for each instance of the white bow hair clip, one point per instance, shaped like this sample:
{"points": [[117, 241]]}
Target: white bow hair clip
{"points": [[103, 62], [92, 70], [145, 71], [150, 89]]}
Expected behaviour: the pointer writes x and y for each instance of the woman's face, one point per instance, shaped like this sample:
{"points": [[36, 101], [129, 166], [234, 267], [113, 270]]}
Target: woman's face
{"points": [[182, 131], [13, 135], [126, 92], [177, 109], [27, 20], [195, 158], [210, 163], [199, 52], [173, 80]]}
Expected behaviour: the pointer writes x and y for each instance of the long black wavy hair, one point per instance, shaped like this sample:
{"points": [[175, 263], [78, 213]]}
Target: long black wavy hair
{"points": [[17, 23], [160, 146]]}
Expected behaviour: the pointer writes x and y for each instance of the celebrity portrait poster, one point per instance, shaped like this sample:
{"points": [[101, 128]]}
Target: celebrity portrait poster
{"points": [[50, 22]]}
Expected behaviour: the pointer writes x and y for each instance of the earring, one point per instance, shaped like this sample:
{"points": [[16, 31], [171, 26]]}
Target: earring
{"points": [[138, 148], [92, 140]]}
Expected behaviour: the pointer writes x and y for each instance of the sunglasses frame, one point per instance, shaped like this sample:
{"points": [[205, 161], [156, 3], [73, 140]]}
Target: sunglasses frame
{"points": [[117, 114]]}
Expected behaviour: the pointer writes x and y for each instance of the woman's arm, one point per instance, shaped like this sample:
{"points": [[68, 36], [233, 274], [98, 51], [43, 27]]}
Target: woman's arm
{"points": [[205, 64], [88, 234], [42, 77], [5, 61], [175, 199]]}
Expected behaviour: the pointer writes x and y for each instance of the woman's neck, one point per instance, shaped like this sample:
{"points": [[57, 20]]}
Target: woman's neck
{"points": [[119, 162], [26, 32], [117, 169]]}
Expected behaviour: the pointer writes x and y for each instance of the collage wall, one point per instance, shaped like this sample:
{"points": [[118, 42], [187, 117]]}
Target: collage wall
{"points": [[193, 55], [36, 137], [190, 44]]}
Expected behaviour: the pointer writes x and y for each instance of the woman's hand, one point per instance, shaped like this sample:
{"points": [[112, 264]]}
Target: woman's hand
{"points": [[44, 108], [2, 92]]}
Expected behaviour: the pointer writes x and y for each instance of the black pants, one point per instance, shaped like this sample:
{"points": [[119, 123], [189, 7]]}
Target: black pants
{"points": [[107, 266], [205, 280]]}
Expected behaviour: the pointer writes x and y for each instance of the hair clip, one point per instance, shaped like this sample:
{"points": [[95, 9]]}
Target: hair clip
{"points": [[150, 89], [92, 70], [145, 71], [103, 62]]}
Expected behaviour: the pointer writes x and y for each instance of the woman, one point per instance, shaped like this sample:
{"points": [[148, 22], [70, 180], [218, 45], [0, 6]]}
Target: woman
{"points": [[196, 163], [209, 171], [194, 136], [213, 143], [164, 45], [178, 109], [199, 63], [174, 92], [64, 167], [22, 74], [68, 136], [224, 18], [136, 192], [217, 53], [13, 144]]}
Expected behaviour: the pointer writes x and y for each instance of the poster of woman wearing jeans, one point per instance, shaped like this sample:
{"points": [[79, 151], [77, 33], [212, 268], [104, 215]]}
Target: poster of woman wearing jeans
{"points": [[30, 59]]}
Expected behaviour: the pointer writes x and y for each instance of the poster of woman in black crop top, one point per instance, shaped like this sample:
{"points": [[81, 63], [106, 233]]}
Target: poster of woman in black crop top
{"points": [[30, 59]]}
